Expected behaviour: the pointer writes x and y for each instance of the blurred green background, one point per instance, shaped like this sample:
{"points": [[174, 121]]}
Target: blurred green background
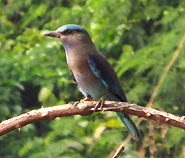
{"points": [[139, 38]]}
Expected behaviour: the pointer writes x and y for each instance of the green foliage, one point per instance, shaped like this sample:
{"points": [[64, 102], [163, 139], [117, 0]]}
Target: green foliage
{"points": [[139, 38]]}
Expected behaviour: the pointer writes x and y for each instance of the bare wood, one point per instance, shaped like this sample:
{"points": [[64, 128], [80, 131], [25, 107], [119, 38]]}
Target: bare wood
{"points": [[116, 154], [87, 108]]}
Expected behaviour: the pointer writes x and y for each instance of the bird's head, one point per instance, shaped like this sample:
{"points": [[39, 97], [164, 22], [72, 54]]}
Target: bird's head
{"points": [[71, 35]]}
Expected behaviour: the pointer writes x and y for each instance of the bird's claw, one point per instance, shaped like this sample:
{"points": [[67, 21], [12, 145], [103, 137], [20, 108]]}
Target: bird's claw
{"points": [[75, 103], [100, 103], [85, 99]]}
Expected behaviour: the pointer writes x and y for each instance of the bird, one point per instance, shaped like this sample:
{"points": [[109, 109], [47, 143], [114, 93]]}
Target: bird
{"points": [[94, 75]]}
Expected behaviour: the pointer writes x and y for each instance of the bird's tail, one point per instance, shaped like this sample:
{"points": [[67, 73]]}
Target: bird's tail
{"points": [[125, 118]]}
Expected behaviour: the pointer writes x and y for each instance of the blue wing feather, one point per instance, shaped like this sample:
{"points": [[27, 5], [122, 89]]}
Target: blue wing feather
{"points": [[71, 74], [103, 71], [100, 70]]}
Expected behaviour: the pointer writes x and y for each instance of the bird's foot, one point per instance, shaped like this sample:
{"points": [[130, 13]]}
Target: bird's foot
{"points": [[85, 99], [75, 103], [100, 103]]}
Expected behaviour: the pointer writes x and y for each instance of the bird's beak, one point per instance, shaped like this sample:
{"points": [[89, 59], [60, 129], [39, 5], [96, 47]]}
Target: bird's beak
{"points": [[52, 34]]}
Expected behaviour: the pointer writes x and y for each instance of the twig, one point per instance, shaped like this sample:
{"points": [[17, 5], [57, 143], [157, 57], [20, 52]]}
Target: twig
{"points": [[166, 71], [150, 103], [116, 154]]}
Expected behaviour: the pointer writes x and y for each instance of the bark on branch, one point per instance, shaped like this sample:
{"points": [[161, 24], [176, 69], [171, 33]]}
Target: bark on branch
{"points": [[87, 108]]}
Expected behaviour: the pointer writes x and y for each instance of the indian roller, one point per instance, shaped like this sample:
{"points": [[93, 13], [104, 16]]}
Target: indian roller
{"points": [[91, 71]]}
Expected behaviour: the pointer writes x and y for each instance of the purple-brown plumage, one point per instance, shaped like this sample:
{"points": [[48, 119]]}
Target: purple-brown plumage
{"points": [[93, 73]]}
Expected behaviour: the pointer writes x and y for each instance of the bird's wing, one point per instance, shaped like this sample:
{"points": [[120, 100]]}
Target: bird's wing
{"points": [[105, 72], [71, 74], [80, 88]]}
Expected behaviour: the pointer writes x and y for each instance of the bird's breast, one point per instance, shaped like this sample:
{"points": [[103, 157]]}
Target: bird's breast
{"points": [[87, 81]]}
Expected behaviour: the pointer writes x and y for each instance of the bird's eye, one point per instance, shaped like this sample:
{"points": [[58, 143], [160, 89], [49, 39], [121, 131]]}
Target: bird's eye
{"points": [[69, 31]]}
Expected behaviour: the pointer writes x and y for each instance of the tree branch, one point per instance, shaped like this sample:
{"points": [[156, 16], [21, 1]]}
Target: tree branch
{"points": [[87, 108], [116, 154]]}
